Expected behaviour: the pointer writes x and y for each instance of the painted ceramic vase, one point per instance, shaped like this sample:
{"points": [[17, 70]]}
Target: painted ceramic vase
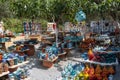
{"points": [[90, 54]]}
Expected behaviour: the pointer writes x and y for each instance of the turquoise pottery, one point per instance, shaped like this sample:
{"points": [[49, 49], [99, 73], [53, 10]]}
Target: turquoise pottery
{"points": [[54, 44], [63, 45], [21, 58], [25, 57], [63, 73], [73, 73], [5, 56], [69, 67], [69, 45], [65, 78], [18, 76], [80, 16], [15, 61]]}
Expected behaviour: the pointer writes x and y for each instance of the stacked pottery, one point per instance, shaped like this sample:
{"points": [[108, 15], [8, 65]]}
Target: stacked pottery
{"points": [[91, 73], [98, 72], [86, 72], [84, 55], [69, 45], [105, 72], [41, 55], [70, 72]]}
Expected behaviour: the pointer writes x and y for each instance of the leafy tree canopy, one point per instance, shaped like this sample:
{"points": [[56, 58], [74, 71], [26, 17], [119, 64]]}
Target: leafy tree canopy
{"points": [[60, 10]]}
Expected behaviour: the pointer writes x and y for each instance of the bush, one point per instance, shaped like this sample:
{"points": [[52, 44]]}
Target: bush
{"points": [[14, 25]]}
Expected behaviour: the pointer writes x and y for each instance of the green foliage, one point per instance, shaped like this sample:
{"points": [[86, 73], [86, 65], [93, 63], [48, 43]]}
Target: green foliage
{"points": [[16, 25], [59, 10], [62, 10], [4, 9]]}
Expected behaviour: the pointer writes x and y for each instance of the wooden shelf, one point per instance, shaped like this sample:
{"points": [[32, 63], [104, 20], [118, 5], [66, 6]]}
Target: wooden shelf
{"points": [[19, 64], [62, 54], [113, 52], [94, 62], [52, 60], [4, 73]]}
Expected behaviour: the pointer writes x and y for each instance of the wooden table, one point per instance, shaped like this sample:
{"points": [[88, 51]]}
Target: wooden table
{"points": [[19, 64]]}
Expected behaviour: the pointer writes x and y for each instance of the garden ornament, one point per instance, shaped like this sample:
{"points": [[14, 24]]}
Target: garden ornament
{"points": [[80, 16]]}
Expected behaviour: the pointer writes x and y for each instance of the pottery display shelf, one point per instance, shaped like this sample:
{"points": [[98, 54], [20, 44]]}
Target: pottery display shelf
{"points": [[94, 62], [19, 64], [4, 73], [109, 52]]}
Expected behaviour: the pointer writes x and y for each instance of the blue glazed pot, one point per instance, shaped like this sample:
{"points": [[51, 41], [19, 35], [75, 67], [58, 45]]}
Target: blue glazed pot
{"points": [[69, 45], [15, 61], [21, 58], [25, 57]]}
